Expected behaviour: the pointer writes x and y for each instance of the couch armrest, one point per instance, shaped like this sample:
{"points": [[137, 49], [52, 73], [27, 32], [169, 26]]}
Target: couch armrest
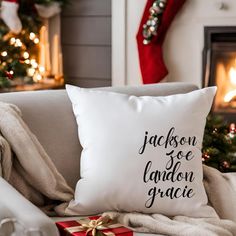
{"points": [[15, 210]]}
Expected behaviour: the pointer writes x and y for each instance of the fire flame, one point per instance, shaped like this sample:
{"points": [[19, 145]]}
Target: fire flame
{"points": [[229, 96], [232, 75]]}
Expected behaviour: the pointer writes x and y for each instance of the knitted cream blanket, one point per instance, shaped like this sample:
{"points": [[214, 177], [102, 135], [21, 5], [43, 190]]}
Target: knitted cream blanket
{"points": [[25, 164]]}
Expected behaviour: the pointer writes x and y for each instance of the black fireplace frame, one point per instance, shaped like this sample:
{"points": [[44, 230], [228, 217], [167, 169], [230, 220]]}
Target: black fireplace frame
{"points": [[213, 37], [214, 34]]}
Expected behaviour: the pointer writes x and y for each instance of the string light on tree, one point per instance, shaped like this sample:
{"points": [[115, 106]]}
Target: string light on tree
{"points": [[12, 41], [26, 55], [34, 64], [18, 43], [4, 53], [32, 36], [37, 77], [41, 69], [36, 40], [31, 72], [27, 61]]}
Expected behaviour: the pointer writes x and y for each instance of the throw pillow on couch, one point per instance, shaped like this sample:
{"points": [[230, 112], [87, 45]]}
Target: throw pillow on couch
{"points": [[141, 154]]}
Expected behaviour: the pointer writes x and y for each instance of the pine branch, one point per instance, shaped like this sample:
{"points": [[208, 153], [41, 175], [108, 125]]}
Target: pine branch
{"points": [[219, 145]]}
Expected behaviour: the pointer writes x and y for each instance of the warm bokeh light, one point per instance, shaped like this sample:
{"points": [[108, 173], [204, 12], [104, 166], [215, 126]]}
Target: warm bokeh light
{"points": [[37, 77], [34, 63], [12, 40], [31, 72], [32, 36], [36, 40], [18, 43], [27, 61], [26, 55], [41, 69], [4, 53]]}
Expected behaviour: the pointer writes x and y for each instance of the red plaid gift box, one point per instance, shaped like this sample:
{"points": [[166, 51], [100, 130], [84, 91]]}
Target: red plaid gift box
{"points": [[92, 226]]}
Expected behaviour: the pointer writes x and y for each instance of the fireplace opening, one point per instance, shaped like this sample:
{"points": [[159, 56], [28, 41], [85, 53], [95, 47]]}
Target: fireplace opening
{"points": [[219, 68]]}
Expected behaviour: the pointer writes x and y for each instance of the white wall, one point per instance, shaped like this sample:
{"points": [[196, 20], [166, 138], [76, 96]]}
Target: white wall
{"points": [[183, 45]]}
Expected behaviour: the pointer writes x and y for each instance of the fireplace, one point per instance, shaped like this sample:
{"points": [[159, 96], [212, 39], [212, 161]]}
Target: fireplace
{"points": [[219, 68]]}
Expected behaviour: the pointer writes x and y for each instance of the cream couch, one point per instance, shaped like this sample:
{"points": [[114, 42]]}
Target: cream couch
{"points": [[49, 115]]}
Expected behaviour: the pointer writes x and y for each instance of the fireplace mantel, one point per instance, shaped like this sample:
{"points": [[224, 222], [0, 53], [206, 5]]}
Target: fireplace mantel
{"points": [[183, 45]]}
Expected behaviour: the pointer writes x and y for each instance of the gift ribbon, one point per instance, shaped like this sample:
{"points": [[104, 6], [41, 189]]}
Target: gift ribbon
{"points": [[94, 226]]}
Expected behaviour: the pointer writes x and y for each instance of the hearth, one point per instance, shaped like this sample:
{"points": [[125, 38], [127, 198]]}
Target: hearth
{"points": [[219, 68]]}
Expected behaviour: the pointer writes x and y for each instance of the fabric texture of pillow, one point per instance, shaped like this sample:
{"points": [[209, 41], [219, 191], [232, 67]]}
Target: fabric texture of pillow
{"points": [[141, 154]]}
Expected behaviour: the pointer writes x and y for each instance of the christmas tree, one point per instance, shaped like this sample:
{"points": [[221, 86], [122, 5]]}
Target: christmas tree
{"points": [[219, 144], [19, 40]]}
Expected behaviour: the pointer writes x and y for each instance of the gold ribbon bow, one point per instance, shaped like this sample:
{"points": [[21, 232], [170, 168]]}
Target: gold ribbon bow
{"points": [[95, 225]]}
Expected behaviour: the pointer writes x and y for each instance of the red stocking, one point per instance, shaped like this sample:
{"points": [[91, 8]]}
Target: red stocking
{"points": [[9, 14], [151, 61]]}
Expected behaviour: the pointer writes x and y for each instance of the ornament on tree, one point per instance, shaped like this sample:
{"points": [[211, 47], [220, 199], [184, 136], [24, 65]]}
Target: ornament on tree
{"points": [[10, 74], [9, 14], [224, 166], [151, 35], [215, 130], [232, 131], [205, 157]]}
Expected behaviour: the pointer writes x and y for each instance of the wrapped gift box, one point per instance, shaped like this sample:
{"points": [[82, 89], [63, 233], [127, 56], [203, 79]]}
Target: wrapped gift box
{"points": [[85, 226]]}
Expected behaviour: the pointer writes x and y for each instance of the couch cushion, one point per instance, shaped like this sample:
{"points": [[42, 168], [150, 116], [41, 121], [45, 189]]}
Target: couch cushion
{"points": [[49, 115]]}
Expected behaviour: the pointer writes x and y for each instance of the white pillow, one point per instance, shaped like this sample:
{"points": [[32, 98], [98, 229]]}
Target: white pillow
{"points": [[141, 154]]}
